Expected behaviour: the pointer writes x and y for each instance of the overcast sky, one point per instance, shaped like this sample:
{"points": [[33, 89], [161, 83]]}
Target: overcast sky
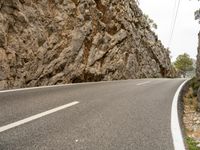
{"points": [[185, 37]]}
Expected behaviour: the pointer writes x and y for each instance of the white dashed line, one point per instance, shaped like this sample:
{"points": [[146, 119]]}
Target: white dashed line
{"points": [[26, 120], [143, 83]]}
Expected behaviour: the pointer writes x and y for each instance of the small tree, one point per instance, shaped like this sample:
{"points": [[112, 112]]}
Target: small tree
{"points": [[183, 63]]}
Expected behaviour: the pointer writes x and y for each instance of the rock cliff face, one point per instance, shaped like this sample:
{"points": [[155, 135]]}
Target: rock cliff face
{"points": [[198, 60], [45, 42]]}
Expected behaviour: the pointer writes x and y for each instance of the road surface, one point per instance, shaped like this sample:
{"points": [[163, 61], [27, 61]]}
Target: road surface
{"points": [[119, 115]]}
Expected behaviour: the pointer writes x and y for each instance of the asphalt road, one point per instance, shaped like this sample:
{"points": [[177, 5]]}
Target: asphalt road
{"points": [[119, 115]]}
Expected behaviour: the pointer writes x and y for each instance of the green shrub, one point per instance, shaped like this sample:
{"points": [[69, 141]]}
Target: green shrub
{"points": [[195, 84], [192, 145]]}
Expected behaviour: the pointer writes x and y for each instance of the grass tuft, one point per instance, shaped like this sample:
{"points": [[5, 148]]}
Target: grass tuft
{"points": [[195, 84], [192, 145]]}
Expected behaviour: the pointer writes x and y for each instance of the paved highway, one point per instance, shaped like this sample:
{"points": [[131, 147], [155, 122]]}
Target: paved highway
{"points": [[119, 115]]}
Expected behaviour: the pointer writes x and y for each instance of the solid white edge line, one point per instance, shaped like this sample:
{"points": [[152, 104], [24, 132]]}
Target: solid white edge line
{"points": [[61, 85], [37, 116], [175, 126], [144, 83], [52, 86]]}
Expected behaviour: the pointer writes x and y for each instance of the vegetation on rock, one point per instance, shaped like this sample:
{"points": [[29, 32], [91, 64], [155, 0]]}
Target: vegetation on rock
{"points": [[151, 22], [192, 145], [191, 115]]}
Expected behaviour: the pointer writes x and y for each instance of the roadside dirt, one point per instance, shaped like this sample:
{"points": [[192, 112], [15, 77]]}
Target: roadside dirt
{"points": [[191, 117]]}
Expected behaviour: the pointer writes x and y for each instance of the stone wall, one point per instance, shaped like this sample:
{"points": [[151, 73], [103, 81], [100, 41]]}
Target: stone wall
{"points": [[47, 42]]}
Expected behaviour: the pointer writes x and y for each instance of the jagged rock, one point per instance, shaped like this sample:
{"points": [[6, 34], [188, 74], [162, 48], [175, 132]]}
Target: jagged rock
{"points": [[198, 71], [198, 59], [198, 99], [62, 41]]}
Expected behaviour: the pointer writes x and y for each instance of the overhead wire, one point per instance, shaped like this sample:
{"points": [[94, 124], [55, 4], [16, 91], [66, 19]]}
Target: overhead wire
{"points": [[174, 22]]}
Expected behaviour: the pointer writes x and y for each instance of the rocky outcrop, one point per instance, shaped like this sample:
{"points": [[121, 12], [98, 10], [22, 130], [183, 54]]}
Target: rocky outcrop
{"points": [[198, 60], [45, 42], [198, 71]]}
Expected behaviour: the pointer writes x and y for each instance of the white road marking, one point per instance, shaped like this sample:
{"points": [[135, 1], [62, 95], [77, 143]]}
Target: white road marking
{"points": [[26, 120], [52, 86], [32, 88], [175, 126], [143, 83], [60, 85]]}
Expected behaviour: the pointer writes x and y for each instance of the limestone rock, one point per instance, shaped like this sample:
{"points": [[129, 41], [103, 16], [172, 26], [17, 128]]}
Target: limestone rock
{"points": [[64, 41], [198, 60]]}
